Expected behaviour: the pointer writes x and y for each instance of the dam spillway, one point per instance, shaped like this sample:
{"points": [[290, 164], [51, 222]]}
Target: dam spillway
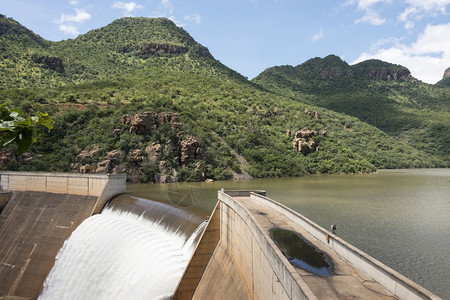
{"points": [[125, 254], [151, 240], [235, 257], [33, 227], [40, 213]]}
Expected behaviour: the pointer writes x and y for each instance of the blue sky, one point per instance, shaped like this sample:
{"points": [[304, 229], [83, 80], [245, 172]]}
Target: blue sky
{"points": [[252, 35]]}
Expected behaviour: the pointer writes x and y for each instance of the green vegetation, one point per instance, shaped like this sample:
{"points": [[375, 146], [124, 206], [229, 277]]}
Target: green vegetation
{"points": [[16, 127], [137, 65], [379, 93]]}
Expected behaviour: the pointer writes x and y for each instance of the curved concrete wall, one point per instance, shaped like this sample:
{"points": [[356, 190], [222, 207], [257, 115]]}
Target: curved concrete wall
{"points": [[247, 264], [265, 271], [393, 281], [103, 186]]}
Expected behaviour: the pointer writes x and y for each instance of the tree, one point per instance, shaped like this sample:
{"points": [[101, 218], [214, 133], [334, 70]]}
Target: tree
{"points": [[16, 127]]}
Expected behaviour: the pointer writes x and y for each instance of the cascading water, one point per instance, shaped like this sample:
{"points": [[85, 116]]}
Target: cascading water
{"points": [[122, 254]]}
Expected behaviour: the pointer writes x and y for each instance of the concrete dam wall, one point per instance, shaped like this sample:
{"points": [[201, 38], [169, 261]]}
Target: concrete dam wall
{"points": [[103, 187], [40, 213], [236, 258]]}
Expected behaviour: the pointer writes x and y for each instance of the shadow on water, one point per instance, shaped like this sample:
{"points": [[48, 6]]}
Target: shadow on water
{"points": [[300, 253]]}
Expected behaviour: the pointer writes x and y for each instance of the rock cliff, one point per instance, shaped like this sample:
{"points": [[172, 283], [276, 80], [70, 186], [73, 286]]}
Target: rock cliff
{"points": [[304, 141], [51, 63], [154, 161], [446, 73]]}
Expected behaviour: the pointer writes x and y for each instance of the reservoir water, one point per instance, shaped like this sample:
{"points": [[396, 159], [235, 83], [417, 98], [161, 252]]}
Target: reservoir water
{"points": [[400, 217]]}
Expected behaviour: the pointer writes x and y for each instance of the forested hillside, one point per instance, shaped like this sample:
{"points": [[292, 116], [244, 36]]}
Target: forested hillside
{"points": [[140, 96], [376, 92]]}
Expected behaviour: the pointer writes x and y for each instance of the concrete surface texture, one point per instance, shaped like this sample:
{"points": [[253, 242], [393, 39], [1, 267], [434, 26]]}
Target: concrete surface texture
{"points": [[33, 227], [38, 213], [102, 186], [247, 264], [4, 196]]}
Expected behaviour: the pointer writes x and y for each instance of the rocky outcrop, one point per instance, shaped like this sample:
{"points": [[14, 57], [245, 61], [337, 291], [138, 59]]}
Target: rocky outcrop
{"points": [[5, 157], [51, 63], [150, 161], [377, 69], [85, 154], [154, 152], [112, 163], [190, 150], [303, 141], [334, 73], [154, 49], [386, 74], [445, 81], [103, 166], [140, 123], [114, 156], [145, 122], [446, 73], [137, 156], [305, 133], [314, 114]]}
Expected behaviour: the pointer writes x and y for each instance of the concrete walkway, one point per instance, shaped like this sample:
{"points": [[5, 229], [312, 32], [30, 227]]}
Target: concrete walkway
{"points": [[347, 283]]}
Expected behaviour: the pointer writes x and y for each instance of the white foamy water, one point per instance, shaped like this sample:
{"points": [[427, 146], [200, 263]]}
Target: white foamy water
{"points": [[119, 255]]}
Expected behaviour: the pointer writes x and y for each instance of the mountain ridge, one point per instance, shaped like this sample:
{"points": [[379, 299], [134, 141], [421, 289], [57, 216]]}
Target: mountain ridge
{"points": [[384, 95], [140, 96]]}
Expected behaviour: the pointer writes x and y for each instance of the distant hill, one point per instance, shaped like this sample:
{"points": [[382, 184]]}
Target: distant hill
{"points": [[141, 96], [445, 81], [379, 93], [124, 45]]}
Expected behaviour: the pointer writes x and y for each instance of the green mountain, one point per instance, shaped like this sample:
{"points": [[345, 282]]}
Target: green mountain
{"points": [[379, 93], [141, 96]]}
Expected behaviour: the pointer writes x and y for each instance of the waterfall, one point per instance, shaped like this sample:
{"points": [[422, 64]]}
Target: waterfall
{"points": [[119, 254]]}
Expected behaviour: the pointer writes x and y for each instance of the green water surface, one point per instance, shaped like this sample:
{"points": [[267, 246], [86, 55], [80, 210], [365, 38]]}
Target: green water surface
{"points": [[400, 217]]}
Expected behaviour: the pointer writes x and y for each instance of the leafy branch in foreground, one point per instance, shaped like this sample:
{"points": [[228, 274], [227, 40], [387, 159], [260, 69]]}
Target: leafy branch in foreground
{"points": [[16, 127]]}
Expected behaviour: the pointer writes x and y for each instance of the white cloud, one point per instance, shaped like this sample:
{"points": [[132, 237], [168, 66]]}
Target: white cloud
{"points": [[167, 5], [318, 36], [430, 5], [127, 7], [363, 4], [196, 18], [371, 16], [79, 17], [66, 21], [73, 2], [426, 58], [68, 29], [406, 14], [417, 9]]}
